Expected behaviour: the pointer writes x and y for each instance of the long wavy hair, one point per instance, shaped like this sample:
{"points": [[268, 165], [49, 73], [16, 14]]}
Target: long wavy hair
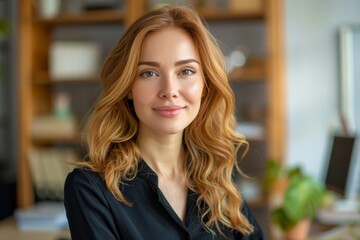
{"points": [[210, 142]]}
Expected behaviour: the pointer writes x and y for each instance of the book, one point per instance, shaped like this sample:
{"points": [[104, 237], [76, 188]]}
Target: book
{"points": [[49, 169], [53, 127], [43, 216]]}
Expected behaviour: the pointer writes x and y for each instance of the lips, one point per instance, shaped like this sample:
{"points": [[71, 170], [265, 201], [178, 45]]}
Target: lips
{"points": [[169, 111]]}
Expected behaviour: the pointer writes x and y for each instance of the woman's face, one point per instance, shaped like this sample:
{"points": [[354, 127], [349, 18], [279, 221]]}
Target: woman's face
{"points": [[168, 87]]}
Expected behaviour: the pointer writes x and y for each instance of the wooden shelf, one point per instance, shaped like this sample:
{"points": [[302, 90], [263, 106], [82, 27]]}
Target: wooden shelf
{"points": [[215, 14], [254, 70], [256, 139], [37, 89], [257, 203], [42, 78], [99, 16], [76, 139]]}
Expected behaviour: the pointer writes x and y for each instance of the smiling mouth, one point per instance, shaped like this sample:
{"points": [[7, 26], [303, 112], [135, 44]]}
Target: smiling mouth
{"points": [[169, 112]]}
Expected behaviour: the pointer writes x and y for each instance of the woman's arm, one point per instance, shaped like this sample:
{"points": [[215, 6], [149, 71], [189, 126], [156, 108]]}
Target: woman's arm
{"points": [[86, 207]]}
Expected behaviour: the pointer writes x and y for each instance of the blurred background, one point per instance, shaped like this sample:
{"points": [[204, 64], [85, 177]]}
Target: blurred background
{"points": [[294, 66]]}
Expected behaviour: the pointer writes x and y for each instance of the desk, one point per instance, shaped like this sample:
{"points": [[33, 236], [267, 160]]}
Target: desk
{"points": [[8, 231], [340, 232], [319, 231]]}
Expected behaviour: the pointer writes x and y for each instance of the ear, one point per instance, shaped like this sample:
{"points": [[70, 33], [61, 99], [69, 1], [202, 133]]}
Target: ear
{"points": [[129, 96]]}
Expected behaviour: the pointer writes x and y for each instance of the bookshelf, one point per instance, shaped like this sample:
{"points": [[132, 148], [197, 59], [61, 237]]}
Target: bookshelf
{"points": [[37, 88]]}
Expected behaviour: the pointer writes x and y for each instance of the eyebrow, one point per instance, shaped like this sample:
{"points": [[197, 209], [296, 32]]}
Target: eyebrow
{"points": [[156, 64]]}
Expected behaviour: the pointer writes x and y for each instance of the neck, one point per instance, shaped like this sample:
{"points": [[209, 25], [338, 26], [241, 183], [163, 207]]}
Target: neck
{"points": [[165, 155]]}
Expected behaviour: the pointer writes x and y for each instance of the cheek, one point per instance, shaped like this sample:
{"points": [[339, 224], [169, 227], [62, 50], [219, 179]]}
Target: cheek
{"points": [[195, 90], [138, 97], [140, 92]]}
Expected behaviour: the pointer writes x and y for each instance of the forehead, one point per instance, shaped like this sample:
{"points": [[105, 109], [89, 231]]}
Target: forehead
{"points": [[169, 41]]}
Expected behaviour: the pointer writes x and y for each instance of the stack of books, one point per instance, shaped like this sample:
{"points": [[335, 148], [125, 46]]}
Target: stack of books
{"points": [[44, 216], [49, 168]]}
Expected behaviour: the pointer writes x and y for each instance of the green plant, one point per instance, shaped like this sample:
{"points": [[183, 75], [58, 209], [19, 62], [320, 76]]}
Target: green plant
{"points": [[4, 27], [301, 198], [275, 171]]}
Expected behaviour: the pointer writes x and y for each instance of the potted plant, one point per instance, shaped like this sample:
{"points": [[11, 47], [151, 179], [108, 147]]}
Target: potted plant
{"points": [[297, 201]]}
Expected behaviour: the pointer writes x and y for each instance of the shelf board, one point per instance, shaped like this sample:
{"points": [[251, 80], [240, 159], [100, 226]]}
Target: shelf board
{"points": [[254, 70], [56, 139], [255, 139], [66, 81], [257, 203], [42, 78], [98, 16], [216, 14]]}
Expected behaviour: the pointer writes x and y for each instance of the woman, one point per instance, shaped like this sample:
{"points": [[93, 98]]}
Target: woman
{"points": [[161, 140]]}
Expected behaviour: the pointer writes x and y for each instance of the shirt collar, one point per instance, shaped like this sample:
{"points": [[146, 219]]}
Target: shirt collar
{"points": [[146, 173]]}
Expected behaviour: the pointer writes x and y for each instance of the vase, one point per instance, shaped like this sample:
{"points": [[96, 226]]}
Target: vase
{"points": [[49, 8], [300, 231]]}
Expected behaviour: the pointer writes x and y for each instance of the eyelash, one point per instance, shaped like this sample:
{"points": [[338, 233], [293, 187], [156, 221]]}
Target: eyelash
{"points": [[143, 74], [192, 71], [183, 72]]}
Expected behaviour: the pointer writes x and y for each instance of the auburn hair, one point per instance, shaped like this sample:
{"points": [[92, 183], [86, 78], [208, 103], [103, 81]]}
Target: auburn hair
{"points": [[210, 141]]}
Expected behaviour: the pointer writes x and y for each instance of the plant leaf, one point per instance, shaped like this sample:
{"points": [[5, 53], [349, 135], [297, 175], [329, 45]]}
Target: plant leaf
{"points": [[280, 217], [302, 197]]}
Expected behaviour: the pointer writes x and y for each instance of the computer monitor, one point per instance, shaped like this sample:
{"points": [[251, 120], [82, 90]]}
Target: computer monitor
{"points": [[340, 165]]}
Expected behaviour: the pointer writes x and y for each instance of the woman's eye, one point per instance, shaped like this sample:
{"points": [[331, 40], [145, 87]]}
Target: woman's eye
{"points": [[187, 71], [148, 74]]}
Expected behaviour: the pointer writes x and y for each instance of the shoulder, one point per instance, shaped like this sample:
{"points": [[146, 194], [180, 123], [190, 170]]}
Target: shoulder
{"points": [[80, 179], [83, 185], [83, 173]]}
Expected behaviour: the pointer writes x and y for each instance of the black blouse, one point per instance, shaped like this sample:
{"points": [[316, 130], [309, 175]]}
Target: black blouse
{"points": [[94, 213]]}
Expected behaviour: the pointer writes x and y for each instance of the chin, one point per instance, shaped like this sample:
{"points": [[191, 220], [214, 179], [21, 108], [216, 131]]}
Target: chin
{"points": [[172, 130]]}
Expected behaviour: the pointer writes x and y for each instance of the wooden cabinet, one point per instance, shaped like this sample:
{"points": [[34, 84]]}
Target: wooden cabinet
{"points": [[37, 90]]}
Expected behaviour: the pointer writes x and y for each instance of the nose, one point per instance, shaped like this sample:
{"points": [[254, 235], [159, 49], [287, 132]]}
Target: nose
{"points": [[169, 87]]}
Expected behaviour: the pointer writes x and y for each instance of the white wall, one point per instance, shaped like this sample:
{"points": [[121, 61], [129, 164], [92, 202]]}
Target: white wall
{"points": [[312, 80]]}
